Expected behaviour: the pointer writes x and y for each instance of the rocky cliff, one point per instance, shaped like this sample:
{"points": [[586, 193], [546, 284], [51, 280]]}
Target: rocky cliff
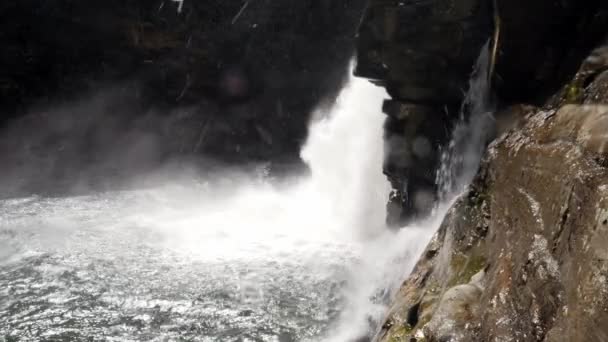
{"points": [[522, 254], [423, 53]]}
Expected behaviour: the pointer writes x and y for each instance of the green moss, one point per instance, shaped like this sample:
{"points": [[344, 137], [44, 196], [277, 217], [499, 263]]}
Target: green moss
{"points": [[400, 334], [574, 94], [465, 267]]}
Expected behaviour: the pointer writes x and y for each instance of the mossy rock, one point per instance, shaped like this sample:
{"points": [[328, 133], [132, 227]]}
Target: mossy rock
{"points": [[400, 334], [465, 267]]}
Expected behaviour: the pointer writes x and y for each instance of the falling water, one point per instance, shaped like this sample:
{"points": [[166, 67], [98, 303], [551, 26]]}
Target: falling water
{"points": [[233, 259], [390, 258], [460, 160]]}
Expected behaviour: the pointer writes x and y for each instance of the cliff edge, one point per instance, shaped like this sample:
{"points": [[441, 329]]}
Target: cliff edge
{"points": [[521, 256]]}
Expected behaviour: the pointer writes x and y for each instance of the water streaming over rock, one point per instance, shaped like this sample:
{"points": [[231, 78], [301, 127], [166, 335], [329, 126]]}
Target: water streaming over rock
{"points": [[233, 259], [237, 258], [460, 160]]}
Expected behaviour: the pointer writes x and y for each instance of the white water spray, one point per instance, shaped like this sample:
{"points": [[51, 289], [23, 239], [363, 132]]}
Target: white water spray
{"points": [[248, 259], [311, 260], [345, 153], [388, 260], [341, 203]]}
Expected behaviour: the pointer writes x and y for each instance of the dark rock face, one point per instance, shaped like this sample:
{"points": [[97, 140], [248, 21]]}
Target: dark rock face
{"points": [[542, 44], [228, 80], [522, 255], [208, 50], [423, 52], [413, 136]]}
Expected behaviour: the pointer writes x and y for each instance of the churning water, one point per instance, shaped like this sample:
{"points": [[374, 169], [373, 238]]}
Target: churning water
{"points": [[236, 259]]}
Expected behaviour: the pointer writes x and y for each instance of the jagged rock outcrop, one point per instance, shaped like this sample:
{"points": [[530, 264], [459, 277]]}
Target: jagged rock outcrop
{"points": [[522, 255], [423, 53]]}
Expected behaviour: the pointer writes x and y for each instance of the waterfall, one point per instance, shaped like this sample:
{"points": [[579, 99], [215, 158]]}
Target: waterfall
{"points": [[460, 160], [237, 257], [234, 258], [345, 152], [389, 259]]}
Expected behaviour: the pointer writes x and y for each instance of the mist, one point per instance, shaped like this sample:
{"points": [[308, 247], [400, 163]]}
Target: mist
{"points": [[307, 255]]}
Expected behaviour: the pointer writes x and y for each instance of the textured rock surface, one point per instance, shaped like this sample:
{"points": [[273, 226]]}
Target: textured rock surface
{"points": [[522, 255], [423, 53]]}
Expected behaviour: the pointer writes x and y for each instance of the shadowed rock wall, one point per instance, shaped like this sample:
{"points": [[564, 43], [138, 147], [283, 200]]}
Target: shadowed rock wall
{"points": [[54, 49], [522, 255], [102, 81], [423, 53]]}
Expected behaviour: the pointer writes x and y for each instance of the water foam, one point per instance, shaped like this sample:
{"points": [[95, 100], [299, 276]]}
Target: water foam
{"points": [[390, 258], [310, 236], [288, 256]]}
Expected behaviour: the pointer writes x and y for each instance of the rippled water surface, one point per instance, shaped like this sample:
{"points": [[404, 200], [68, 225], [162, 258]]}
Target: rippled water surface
{"points": [[92, 267]]}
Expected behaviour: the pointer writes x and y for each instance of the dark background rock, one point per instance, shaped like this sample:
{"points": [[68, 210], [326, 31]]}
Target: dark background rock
{"points": [[423, 53], [83, 83], [522, 254], [542, 45]]}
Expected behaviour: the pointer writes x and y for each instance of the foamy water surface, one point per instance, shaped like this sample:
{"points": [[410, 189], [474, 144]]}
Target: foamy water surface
{"points": [[237, 259]]}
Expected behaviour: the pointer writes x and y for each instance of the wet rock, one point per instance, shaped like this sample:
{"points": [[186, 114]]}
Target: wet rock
{"points": [[457, 308], [521, 256], [588, 85], [423, 53], [413, 136], [447, 280], [585, 125], [597, 92]]}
